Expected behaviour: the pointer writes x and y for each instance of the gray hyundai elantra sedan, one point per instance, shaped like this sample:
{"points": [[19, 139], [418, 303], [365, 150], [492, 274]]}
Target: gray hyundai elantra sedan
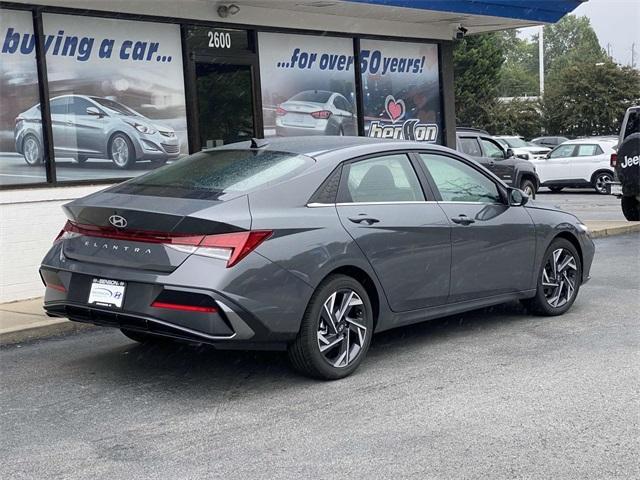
{"points": [[309, 245]]}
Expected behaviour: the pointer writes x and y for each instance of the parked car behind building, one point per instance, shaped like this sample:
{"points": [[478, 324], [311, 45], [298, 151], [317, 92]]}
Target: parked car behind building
{"points": [[550, 142], [579, 164], [512, 170], [521, 148]]}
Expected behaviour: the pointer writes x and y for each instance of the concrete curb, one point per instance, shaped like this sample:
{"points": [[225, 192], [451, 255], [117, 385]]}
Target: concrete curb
{"points": [[616, 230], [41, 330], [53, 327]]}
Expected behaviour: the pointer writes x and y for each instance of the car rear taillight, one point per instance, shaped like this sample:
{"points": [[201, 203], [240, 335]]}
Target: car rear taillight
{"points": [[321, 114], [614, 160], [184, 308], [280, 111], [231, 247]]}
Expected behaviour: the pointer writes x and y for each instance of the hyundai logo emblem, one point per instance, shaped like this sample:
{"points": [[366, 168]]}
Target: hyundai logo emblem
{"points": [[118, 221]]}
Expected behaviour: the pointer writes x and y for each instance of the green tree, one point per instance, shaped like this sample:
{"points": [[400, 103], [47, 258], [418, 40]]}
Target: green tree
{"points": [[587, 98], [477, 63], [568, 41], [516, 117], [519, 73]]}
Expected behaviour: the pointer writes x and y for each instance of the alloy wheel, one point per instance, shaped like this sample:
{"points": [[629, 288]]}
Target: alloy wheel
{"points": [[31, 151], [120, 151], [528, 190], [601, 182], [560, 277], [341, 331]]}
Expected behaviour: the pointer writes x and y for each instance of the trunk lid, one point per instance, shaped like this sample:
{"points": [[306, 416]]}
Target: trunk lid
{"points": [[147, 232]]}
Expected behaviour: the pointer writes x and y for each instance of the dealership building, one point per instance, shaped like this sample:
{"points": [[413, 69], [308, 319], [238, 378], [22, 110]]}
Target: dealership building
{"points": [[94, 92]]}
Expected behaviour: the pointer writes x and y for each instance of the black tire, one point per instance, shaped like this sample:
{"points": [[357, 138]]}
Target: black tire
{"points": [[540, 304], [142, 337], [630, 208], [600, 180], [121, 151], [304, 353], [528, 187], [32, 150], [556, 189]]}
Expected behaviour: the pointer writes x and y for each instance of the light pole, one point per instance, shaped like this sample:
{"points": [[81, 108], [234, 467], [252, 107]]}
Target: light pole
{"points": [[541, 59]]}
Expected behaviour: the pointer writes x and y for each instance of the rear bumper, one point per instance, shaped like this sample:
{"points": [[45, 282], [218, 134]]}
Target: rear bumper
{"points": [[243, 309]]}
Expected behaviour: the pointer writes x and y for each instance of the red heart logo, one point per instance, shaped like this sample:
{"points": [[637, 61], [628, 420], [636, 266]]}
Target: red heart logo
{"points": [[395, 108]]}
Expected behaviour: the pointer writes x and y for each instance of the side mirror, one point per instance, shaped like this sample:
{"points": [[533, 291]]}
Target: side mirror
{"points": [[509, 153], [517, 198], [94, 112]]}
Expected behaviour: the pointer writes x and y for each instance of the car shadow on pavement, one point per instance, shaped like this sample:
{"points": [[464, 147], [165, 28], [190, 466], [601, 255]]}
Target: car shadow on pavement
{"points": [[199, 368]]}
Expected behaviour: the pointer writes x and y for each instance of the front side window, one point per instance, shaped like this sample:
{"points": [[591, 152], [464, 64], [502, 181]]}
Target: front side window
{"points": [[470, 146], [79, 105], [458, 182], [563, 151], [491, 149], [382, 179]]}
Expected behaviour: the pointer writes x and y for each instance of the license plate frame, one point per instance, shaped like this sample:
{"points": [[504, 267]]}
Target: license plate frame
{"points": [[106, 292], [616, 189]]}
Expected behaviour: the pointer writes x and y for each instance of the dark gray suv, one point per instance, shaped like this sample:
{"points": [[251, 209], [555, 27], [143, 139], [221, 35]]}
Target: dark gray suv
{"points": [[514, 171], [309, 244]]}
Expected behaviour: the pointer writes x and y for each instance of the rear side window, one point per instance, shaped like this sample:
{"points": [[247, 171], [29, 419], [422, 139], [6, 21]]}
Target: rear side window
{"points": [[588, 150], [210, 174], [390, 178], [458, 182], [633, 123], [470, 146]]}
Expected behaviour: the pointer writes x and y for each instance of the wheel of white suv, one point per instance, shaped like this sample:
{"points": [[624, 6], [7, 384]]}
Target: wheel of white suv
{"points": [[559, 280], [336, 330], [600, 181]]}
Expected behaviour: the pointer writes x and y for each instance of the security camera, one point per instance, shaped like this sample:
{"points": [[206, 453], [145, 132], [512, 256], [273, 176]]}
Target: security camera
{"points": [[460, 32], [226, 10]]}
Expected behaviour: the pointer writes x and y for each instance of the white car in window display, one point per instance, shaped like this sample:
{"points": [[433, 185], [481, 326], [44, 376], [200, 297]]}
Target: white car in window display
{"points": [[316, 112], [578, 164], [94, 127]]}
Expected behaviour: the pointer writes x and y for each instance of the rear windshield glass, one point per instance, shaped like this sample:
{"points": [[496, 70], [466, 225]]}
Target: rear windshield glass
{"points": [[317, 96], [211, 174]]}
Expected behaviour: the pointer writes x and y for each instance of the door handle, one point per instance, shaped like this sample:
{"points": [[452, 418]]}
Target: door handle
{"points": [[463, 220], [367, 220]]}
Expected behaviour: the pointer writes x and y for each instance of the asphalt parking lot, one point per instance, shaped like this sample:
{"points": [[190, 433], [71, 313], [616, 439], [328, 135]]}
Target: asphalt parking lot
{"points": [[585, 203], [494, 393]]}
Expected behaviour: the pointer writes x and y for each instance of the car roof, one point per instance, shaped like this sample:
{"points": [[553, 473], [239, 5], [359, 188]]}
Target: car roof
{"points": [[591, 140], [316, 146]]}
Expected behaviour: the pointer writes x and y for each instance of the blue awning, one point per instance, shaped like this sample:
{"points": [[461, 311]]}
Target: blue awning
{"points": [[547, 11]]}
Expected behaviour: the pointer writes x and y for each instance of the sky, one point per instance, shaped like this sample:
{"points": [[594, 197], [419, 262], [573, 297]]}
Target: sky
{"points": [[616, 22]]}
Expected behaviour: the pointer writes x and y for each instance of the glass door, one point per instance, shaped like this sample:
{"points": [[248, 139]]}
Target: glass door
{"points": [[225, 103]]}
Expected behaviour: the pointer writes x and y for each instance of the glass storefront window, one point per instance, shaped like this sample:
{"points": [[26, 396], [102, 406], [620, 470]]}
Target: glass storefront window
{"points": [[308, 85], [116, 95], [401, 90], [22, 156]]}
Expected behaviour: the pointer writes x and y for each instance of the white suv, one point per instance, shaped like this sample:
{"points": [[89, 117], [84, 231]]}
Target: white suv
{"points": [[578, 163]]}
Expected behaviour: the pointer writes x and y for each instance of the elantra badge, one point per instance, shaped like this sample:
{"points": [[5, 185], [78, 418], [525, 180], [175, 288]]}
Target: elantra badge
{"points": [[118, 221]]}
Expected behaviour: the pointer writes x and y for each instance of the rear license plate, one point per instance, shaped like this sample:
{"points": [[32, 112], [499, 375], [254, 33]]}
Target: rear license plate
{"points": [[616, 189], [107, 293]]}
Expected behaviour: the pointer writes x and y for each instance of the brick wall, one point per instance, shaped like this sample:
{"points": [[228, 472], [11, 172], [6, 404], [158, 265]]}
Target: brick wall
{"points": [[29, 221]]}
